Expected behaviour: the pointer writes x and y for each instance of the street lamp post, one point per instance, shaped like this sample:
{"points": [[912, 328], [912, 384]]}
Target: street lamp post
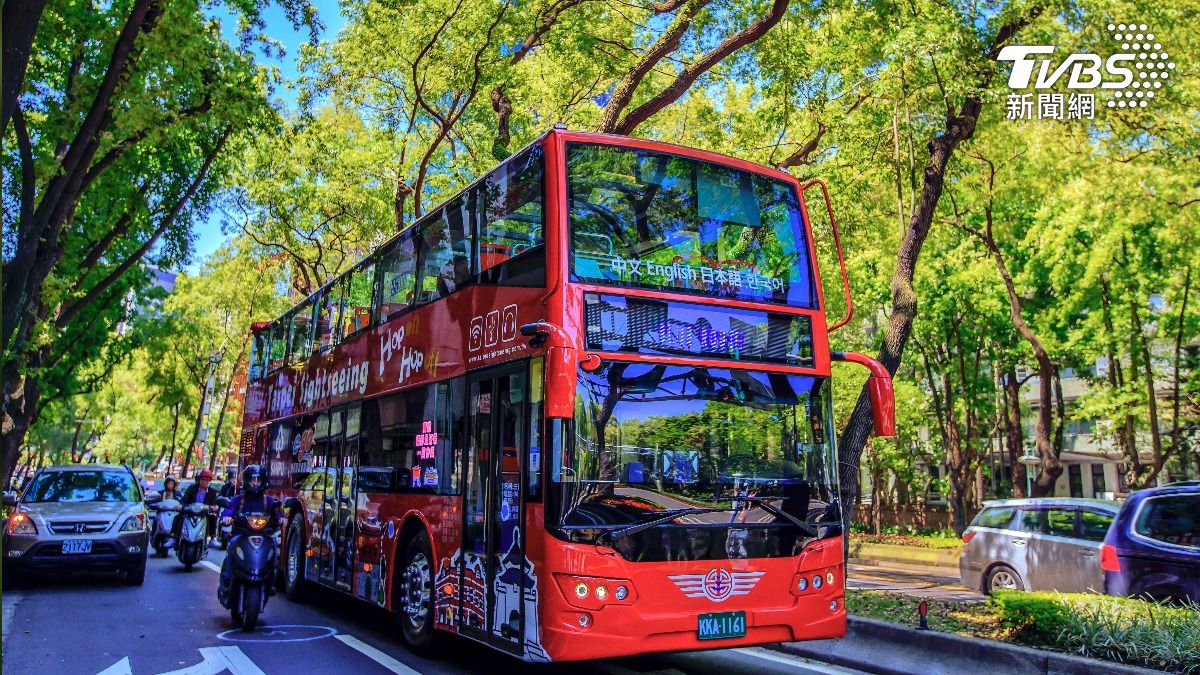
{"points": [[214, 359], [1030, 459]]}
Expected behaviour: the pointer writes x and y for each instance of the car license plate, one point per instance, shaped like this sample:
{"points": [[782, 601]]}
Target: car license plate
{"points": [[77, 546], [718, 625]]}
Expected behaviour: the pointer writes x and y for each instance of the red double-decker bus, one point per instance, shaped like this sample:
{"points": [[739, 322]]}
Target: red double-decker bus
{"points": [[580, 410]]}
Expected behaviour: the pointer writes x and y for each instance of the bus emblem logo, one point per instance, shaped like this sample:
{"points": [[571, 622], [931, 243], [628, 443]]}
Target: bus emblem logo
{"points": [[717, 585]]}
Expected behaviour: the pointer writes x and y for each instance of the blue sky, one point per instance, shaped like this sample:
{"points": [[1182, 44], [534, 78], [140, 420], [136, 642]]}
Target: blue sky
{"points": [[208, 232]]}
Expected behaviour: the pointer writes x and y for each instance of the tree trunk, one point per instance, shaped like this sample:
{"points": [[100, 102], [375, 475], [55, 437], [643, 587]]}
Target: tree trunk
{"points": [[21, 19], [1176, 446], [1013, 433], [904, 298]]}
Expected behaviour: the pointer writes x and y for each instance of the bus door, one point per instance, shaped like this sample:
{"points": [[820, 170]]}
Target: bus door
{"points": [[495, 580], [337, 527]]}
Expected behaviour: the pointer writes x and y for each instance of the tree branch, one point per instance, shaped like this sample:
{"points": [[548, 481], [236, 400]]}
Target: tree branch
{"points": [[691, 73], [72, 309]]}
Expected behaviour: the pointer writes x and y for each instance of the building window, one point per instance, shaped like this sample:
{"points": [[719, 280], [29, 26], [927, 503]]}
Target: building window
{"points": [[1098, 486], [1075, 478]]}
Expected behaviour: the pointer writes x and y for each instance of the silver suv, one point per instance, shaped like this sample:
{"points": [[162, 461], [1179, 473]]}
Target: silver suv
{"points": [[81, 517], [1036, 545]]}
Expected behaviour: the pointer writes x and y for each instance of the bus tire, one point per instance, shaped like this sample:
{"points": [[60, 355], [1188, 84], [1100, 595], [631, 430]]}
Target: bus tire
{"points": [[295, 585], [415, 611]]}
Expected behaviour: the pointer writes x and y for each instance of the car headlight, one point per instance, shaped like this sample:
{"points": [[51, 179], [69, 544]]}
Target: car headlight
{"points": [[134, 523], [21, 523]]}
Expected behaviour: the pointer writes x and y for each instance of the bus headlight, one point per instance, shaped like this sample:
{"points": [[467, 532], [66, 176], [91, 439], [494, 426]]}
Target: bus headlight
{"points": [[595, 593]]}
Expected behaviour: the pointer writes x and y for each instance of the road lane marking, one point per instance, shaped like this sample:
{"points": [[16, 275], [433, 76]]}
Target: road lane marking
{"points": [[375, 655], [211, 565], [267, 633], [238, 663], [119, 668], [794, 662], [218, 660]]}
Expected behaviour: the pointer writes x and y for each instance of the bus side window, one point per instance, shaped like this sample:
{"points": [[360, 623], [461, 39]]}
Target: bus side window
{"points": [[444, 245], [329, 307], [301, 333], [279, 341], [511, 224], [359, 294], [398, 273]]}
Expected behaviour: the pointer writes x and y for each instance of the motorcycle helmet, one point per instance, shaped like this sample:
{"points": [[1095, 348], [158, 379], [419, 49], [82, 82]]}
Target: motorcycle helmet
{"points": [[169, 483], [204, 474], [253, 481]]}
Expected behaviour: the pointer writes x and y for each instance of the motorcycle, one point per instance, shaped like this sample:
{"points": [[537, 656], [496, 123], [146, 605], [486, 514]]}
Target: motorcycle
{"points": [[253, 557], [164, 520], [193, 538]]}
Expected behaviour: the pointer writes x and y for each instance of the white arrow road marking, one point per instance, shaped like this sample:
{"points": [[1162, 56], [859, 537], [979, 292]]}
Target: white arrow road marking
{"points": [[211, 565], [218, 660], [119, 668], [375, 655]]}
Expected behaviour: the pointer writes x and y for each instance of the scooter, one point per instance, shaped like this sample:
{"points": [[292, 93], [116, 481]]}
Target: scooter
{"points": [[193, 538], [252, 555], [164, 520]]}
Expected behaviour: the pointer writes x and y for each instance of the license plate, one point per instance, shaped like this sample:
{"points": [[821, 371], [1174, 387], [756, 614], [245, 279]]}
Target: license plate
{"points": [[77, 546], [718, 625]]}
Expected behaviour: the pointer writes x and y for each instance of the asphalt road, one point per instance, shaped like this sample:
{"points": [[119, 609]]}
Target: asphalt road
{"points": [[174, 624]]}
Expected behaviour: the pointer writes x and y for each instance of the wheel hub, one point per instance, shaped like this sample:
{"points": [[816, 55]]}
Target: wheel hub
{"points": [[416, 588]]}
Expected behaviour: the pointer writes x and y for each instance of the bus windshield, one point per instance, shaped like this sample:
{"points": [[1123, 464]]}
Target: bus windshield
{"points": [[749, 454], [653, 220]]}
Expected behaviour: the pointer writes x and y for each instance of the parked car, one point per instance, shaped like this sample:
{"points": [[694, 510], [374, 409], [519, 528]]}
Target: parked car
{"points": [[1153, 549], [82, 517], [1037, 544]]}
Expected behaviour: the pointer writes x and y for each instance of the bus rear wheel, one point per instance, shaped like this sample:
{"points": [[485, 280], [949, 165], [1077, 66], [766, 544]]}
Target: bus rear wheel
{"points": [[415, 585]]}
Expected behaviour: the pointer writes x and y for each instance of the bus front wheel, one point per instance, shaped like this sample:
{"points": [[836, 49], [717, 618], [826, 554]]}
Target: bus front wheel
{"points": [[294, 583], [415, 609]]}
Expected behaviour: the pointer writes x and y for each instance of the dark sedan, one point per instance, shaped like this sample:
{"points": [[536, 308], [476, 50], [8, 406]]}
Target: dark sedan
{"points": [[1153, 547]]}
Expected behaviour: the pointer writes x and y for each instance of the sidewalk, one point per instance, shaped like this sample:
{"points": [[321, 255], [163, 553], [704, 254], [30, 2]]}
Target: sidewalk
{"points": [[931, 584]]}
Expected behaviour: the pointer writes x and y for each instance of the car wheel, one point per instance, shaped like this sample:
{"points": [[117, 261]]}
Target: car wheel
{"points": [[1003, 578], [415, 584], [295, 585], [136, 576]]}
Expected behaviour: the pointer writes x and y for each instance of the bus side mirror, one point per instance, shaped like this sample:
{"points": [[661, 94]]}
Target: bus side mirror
{"points": [[883, 405], [879, 391]]}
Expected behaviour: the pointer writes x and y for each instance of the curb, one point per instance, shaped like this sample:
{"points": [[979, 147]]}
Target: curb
{"points": [[912, 555], [891, 649]]}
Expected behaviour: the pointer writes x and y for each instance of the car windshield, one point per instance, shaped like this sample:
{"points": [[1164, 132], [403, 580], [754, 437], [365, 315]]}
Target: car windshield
{"points": [[744, 449], [83, 486]]}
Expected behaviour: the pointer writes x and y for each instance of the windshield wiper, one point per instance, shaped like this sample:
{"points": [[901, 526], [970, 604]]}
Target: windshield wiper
{"points": [[666, 517], [765, 505]]}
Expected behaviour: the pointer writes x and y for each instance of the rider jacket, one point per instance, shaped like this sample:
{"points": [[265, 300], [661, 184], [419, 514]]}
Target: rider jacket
{"points": [[268, 505]]}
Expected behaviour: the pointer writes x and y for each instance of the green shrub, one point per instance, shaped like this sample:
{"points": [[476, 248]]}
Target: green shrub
{"points": [[1117, 629]]}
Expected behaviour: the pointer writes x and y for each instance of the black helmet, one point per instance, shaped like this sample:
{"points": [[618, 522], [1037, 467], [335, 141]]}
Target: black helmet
{"points": [[253, 481]]}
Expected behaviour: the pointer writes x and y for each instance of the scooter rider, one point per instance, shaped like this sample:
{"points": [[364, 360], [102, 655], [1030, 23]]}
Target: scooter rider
{"points": [[199, 492], [171, 489], [229, 489], [253, 499]]}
